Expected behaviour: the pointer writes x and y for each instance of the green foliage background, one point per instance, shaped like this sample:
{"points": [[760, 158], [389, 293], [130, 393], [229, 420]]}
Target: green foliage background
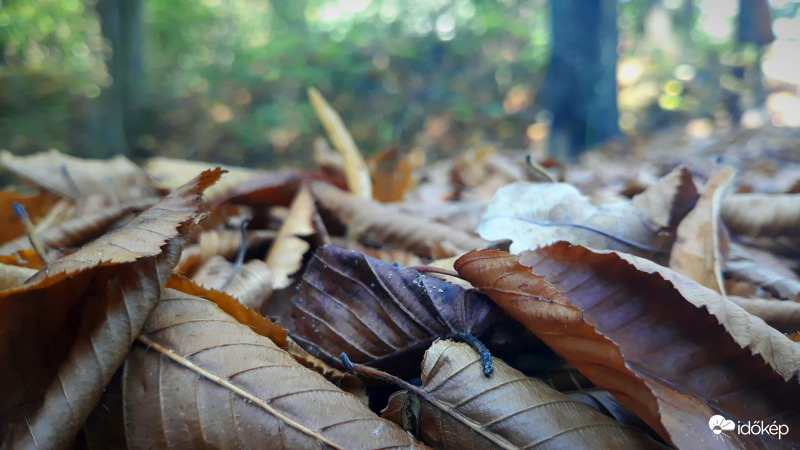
{"points": [[225, 80]]}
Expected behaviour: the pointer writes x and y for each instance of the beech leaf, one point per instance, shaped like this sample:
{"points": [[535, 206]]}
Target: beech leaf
{"points": [[458, 408], [201, 378], [96, 300], [671, 350]]}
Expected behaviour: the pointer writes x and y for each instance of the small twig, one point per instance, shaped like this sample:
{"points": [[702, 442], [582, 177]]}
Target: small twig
{"points": [[620, 239], [433, 269], [237, 266], [539, 169], [27, 225], [486, 357]]}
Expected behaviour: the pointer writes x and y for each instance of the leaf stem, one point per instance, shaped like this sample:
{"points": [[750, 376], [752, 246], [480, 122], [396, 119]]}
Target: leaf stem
{"points": [[433, 269], [27, 225]]}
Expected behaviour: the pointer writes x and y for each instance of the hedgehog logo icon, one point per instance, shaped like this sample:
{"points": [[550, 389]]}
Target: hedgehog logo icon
{"points": [[718, 424]]}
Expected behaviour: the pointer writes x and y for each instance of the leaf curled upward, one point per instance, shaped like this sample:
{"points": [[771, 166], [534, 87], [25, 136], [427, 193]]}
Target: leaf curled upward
{"points": [[68, 329]]}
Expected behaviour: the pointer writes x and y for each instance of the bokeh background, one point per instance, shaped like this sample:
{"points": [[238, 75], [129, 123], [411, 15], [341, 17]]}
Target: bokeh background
{"points": [[226, 80]]}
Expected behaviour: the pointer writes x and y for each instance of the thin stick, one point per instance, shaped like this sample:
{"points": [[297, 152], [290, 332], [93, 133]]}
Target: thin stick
{"points": [[237, 266], [538, 168], [27, 225], [232, 387], [433, 269]]}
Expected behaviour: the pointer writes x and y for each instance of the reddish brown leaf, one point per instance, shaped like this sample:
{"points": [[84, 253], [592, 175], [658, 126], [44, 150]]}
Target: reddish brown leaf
{"points": [[69, 328], [671, 350]]}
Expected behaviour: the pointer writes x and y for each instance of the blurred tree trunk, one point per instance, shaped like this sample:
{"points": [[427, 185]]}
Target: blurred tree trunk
{"points": [[755, 27], [581, 86], [121, 23]]}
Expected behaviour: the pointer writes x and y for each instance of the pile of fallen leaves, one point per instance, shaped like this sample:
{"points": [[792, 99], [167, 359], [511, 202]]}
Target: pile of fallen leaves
{"points": [[638, 304]]}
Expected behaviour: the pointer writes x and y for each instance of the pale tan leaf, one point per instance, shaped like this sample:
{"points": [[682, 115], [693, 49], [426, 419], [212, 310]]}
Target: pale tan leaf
{"points": [[669, 200], [285, 257], [458, 408], [13, 276], [355, 169], [57, 363], [764, 270], [762, 214], [696, 252], [169, 173], [116, 180], [389, 226], [532, 215], [251, 285], [223, 386]]}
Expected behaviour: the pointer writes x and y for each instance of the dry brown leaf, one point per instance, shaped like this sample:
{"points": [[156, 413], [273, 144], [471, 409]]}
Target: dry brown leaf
{"points": [[251, 285], [75, 232], [532, 215], [225, 243], [116, 180], [762, 214], [764, 270], [96, 300], [671, 350], [458, 408], [696, 252], [170, 173], [35, 205], [669, 200], [226, 387], [285, 257], [392, 175], [355, 169], [387, 225], [783, 316]]}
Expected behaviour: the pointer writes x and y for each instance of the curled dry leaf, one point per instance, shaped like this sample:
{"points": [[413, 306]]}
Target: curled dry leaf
{"points": [[375, 312], [696, 252], [355, 169], [673, 351], [222, 385], [78, 230], [285, 257], [70, 327], [532, 215], [387, 225], [117, 180], [225, 243], [458, 408], [762, 214]]}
